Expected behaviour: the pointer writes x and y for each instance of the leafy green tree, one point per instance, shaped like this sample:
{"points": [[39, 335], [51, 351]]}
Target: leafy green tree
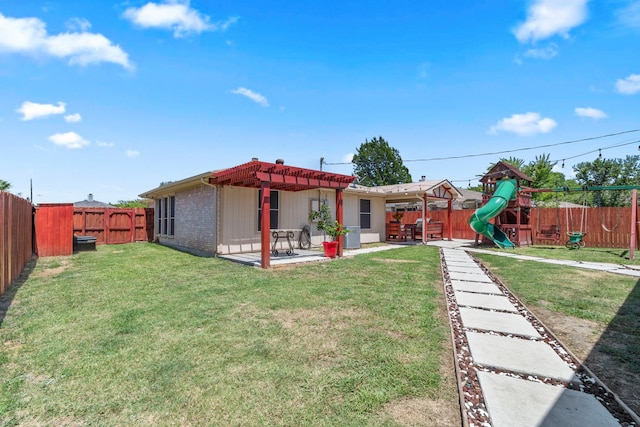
{"points": [[4, 185], [130, 204], [540, 170], [377, 163], [607, 172]]}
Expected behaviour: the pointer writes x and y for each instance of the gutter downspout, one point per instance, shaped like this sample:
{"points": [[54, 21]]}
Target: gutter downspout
{"points": [[217, 202], [423, 199]]}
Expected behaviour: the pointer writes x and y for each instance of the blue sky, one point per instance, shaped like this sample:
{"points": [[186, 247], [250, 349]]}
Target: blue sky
{"points": [[112, 98]]}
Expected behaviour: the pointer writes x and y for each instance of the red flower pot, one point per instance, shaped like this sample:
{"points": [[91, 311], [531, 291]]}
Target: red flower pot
{"points": [[330, 249]]}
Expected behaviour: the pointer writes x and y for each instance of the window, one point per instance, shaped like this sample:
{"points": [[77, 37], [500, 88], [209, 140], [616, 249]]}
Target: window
{"points": [[159, 216], [172, 215], [365, 213], [165, 211], [273, 214], [166, 215]]}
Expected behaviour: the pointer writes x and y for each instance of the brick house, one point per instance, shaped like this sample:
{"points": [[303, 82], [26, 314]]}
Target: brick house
{"points": [[220, 212]]}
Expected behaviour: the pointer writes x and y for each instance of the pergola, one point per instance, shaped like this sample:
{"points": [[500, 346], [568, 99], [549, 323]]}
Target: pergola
{"points": [[278, 176], [440, 190]]}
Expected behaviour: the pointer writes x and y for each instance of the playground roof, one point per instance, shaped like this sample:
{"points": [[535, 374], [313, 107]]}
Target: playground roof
{"points": [[501, 170]]}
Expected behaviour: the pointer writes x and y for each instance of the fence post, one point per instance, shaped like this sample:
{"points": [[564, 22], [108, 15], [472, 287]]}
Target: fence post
{"points": [[634, 223]]}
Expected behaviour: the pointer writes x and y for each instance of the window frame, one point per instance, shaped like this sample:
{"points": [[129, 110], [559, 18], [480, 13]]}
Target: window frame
{"points": [[166, 216], [364, 214], [274, 212]]}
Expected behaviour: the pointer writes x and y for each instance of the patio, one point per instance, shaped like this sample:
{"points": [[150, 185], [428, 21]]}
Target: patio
{"points": [[301, 256]]}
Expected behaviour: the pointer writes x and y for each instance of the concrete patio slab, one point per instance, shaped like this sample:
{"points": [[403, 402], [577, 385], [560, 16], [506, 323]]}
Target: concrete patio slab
{"points": [[471, 277], [516, 402], [489, 302], [457, 255], [453, 261], [507, 323], [478, 287], [519, 355], [469, 269]]}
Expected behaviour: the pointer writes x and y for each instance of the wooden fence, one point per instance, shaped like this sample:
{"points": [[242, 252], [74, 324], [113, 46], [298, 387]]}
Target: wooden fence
{"points": [[16, 237], [114, 226], [54, 229], [597, 221], [56, 224]]}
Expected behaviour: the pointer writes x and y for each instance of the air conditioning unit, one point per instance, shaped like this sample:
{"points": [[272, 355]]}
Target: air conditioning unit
{"points": [[352, 238]]}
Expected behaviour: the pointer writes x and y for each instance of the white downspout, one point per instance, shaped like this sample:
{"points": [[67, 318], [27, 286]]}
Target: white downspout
{"points": [[424, 219]]}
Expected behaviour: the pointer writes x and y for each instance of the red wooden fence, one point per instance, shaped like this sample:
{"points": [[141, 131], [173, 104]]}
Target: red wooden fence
{"points": [[56, 224], [54, 229], [113, 226], [16, 237], [598, 221]]}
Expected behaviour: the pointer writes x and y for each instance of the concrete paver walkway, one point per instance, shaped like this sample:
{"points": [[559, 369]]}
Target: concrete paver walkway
{"points": [[627, 270], [523, 377]]}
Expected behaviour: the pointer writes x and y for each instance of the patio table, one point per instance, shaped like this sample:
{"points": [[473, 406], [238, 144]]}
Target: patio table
{"points": [[283, 234]]}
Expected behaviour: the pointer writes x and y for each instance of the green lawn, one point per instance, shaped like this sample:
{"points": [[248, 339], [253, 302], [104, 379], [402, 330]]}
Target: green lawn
{"points": [[611, 300], [613, 256], [140, 334]]}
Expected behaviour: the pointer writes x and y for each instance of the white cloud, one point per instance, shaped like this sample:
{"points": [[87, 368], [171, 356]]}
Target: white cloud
{"points": [[592, 113], [29, 36], [175, 15], [33, 110], [73, 118], [524, 124], [630, 15], [69, 140], [548, 52], [104, 144], [132, 153], [255, 97], [547, 18], [629, 85], [78, 24]]}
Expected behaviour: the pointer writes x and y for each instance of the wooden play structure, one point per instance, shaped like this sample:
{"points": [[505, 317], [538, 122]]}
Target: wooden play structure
{"points": [[515, 219], [515, 222]]}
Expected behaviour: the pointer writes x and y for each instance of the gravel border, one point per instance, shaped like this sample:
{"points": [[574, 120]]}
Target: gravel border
{"points": [[473, 406]]}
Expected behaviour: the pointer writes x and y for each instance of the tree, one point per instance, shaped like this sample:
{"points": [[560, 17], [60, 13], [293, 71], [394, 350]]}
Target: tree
{"points": [[606, 172], [377, 163], [130, 204], [541, 172], [4, 185]]}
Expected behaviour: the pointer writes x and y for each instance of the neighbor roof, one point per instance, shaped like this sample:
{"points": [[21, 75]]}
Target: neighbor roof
{"points": [[89, 202], [411, 191]]}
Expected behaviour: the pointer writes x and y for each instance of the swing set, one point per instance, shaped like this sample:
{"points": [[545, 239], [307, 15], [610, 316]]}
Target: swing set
{"points": [[576, 235]]}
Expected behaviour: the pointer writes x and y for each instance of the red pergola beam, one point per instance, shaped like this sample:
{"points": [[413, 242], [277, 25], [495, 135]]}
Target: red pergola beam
{"points": [[272, 176]]}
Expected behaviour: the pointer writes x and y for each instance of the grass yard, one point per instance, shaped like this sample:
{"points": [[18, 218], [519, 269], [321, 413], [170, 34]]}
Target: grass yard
{"points": [[141, 334], [586, 307], [608, 255]]}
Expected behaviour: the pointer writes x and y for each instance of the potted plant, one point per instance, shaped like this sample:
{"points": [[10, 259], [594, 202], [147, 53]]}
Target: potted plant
{"points": [[328, 227]]}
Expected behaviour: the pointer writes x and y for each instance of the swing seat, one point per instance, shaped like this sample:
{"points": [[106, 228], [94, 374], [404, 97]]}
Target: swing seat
{"points": [[549, 232], [575, 240]]}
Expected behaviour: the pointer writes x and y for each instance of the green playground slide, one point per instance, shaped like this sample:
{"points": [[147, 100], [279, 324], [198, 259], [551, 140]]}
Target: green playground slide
{"points": [[479, 221]]}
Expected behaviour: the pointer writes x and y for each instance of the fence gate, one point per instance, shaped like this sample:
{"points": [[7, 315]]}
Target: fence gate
{"points": [[120, 226]]}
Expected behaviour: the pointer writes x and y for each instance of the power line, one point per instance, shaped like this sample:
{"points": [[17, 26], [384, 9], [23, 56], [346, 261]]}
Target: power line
{"points": [[465, 156], [597, 150]]}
